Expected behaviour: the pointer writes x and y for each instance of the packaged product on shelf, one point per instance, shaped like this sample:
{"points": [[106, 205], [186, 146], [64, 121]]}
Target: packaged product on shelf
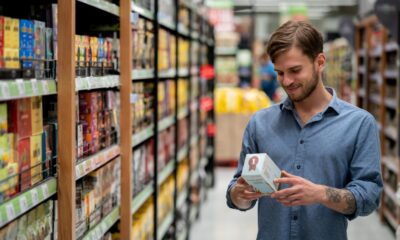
{"points": [[49, 66], [3, 118], [24, 162], [149, 162], [149, 51], [2, 56], [39, 48], [27, 41], [259, 170], [11, 43], [9, 167], [37, 115], [139, 171], [46, 152], [36, 159], [19, 117]]}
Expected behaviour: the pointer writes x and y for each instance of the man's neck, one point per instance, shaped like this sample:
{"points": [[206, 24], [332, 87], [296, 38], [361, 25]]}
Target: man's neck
{"points": [[315, 103]]}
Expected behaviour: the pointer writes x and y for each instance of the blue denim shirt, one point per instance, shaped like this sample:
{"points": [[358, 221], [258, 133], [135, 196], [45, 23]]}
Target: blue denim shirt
{"points": [[338, 147]]}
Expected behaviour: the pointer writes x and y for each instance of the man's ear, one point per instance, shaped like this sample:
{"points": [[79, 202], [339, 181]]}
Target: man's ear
{"points": [[321, 60]]}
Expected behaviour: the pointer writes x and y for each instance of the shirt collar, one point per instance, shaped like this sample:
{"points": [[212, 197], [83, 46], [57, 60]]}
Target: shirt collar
{"points": [[333, 104]]}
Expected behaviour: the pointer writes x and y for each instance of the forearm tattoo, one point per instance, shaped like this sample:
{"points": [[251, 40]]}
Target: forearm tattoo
{"points": [[342, 196]]}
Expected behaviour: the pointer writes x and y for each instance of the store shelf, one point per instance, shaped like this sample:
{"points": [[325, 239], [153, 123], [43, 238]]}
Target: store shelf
{"points": [[165, 172], [390, 193], [142, 136], [375, 99], [91, 163], [210, 42], [168, 25], [225, 51], [194, 106], [188, 4], [163, 228], [103, 5], [183, 152], [166, 123], [362, 52], [183, 113], [194, 70], [390, 103], [194, 210], [142, 197], [183, 72], [170, 73], [361, 92], [14, 89], [90, 83], [390, 163], [391, 132], [362, 70], [141, 11], [182, 30], [19, 205], [143, 74], [376, 77], [194, 140], [389, 217], [376, 52], [107, 222], [183, 234], [203, 162], [391, 47], [194, 35], [194, 176], [392, 74], [182, 197]]}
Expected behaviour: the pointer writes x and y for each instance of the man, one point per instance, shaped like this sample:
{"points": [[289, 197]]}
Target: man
{"points": [[268, 76], [327, 149]]}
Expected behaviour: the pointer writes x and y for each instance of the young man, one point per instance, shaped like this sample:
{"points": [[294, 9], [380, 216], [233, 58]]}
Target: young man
{"points": [[327, 149]]}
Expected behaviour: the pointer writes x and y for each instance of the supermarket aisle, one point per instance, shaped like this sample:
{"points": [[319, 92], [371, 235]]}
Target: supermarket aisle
{"points": [[217, 221]]}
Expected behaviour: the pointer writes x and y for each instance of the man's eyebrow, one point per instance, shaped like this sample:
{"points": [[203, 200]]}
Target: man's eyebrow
{"points": [[291, 68]]}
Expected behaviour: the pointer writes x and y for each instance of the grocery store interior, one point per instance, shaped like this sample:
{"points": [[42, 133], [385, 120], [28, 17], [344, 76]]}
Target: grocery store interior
{"points": [[124, 119]]}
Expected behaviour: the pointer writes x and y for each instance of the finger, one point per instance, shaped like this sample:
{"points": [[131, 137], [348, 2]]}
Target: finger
{"points": [[295, 197], [241, 180], [284, 193], [250, 195], [286, 174], [286, 180]]}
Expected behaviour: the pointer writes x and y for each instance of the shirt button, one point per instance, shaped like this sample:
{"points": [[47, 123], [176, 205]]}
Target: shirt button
{"points": [[295, 217], [298, 166], [301, 141]]}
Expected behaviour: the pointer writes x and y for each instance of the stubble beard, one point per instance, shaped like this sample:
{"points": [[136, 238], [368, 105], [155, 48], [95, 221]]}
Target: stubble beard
{"points": [[307, 88]]}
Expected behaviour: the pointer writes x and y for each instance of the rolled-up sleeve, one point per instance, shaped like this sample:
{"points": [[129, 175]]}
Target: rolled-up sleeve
{"points": [[248, 146], [365, 169]]}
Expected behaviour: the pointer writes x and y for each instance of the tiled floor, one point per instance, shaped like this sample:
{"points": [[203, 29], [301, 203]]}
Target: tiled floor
{"points": [[217, 221]]}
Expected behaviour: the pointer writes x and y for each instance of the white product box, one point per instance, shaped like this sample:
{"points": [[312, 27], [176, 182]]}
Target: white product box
{"points": [[260, 171]]}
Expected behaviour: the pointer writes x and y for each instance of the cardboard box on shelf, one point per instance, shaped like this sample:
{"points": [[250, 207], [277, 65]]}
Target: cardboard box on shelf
{"points": [[19, 117], [229, 135]]}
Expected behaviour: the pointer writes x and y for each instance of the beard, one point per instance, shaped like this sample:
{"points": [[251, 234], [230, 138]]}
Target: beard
{"points": [[307, 88]]}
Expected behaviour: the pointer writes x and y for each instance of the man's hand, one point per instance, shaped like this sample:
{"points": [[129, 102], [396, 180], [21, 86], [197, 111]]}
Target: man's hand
{"points": [[242, 194], [300, 192], [304, 192]]}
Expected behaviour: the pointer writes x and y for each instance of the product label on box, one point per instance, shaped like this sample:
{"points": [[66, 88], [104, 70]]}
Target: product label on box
{"points": [[260, 171]]}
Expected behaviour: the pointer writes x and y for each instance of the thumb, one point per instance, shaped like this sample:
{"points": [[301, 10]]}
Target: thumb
{"points": [[241, 180]]}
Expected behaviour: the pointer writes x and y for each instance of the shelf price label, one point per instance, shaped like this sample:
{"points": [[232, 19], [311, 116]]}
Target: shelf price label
{"points": [[35, 89], [45, 190], [5, 90], [35, 196], [20, 86], [23, 203], [45, 87], [10, 211]]}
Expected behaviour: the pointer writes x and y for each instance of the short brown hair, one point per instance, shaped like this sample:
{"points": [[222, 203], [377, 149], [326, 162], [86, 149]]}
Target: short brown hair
{"points": [[299, 34]]}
